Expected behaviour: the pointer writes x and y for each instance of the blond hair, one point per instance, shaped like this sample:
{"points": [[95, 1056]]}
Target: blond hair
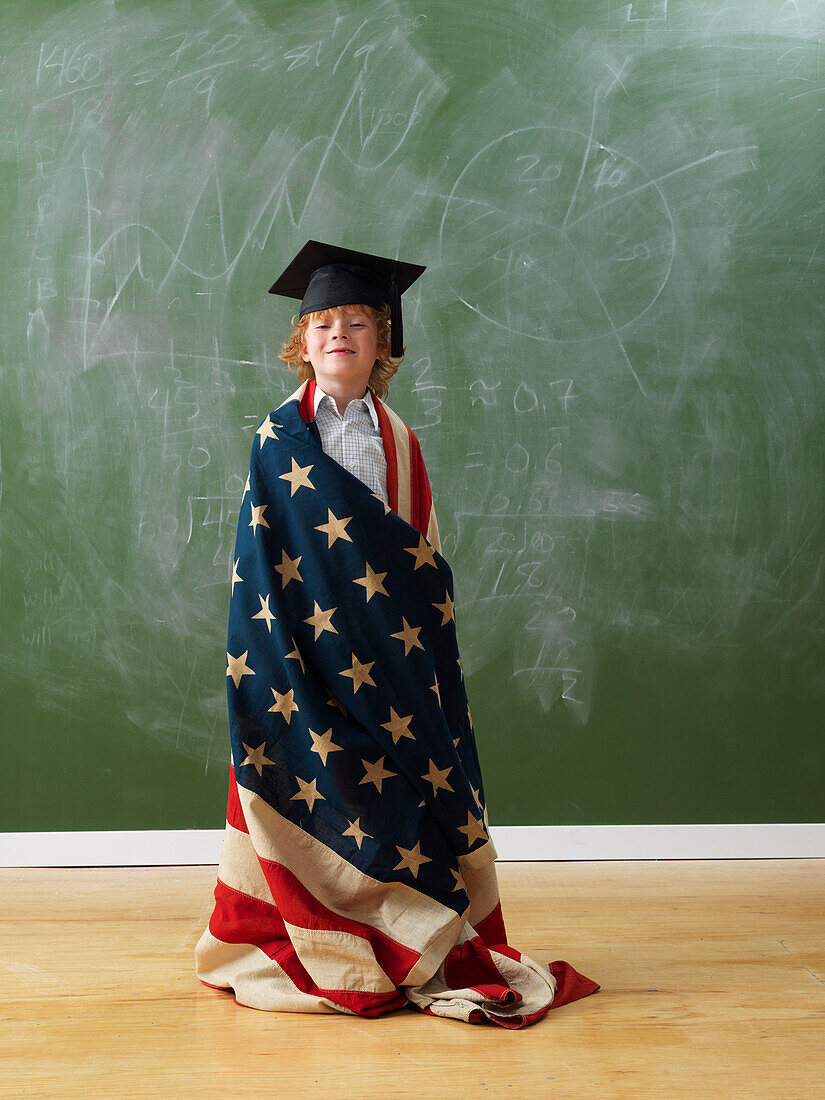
{"points": [[383, 369]]}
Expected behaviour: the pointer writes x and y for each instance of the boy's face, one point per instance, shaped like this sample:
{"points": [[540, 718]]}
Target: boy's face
{"points": [[342, 348]]}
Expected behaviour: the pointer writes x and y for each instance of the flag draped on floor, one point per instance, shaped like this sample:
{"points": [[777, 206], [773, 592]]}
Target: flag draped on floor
{"points": [[357, 871]]}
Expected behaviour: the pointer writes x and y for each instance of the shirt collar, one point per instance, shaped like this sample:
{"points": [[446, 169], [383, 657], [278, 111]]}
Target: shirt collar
{"points": [[367, 399]]}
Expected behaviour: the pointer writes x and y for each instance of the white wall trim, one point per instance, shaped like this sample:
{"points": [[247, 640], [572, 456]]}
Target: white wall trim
{"points": [[182, 847]]}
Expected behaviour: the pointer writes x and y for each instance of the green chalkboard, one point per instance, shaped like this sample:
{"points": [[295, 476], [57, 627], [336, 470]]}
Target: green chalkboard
{"points": [[615, 368]]}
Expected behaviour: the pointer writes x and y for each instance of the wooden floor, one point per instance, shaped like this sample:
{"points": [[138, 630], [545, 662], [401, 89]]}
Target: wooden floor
{"points": [[712, 986]]}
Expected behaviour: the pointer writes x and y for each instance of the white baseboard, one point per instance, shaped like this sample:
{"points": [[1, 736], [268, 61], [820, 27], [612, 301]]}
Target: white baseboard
{"points": [[514, 843]]}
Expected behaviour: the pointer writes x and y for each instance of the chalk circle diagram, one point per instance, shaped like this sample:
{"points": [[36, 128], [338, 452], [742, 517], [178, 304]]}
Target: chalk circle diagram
{"points": [[555, 237]]}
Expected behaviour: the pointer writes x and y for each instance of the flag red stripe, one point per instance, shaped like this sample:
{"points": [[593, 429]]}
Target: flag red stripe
{"points": [[306, 406], [469, 965], [300, 907], [420, 491], [239, 918], [570, 984], [491, 929]]}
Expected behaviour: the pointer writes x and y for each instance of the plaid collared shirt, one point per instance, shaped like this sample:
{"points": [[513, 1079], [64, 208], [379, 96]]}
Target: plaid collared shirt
{"points": [[354, 439]]}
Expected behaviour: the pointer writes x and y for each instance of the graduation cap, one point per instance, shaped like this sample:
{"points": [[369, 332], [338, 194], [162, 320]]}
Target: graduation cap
{"points": [[326, 275]]}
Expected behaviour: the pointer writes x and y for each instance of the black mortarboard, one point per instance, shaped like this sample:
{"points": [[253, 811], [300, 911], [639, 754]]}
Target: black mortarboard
{"points": [[326, 275]]}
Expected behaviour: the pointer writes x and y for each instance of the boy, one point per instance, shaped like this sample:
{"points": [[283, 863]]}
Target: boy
{"points": [[368, 438], [357, 872]]}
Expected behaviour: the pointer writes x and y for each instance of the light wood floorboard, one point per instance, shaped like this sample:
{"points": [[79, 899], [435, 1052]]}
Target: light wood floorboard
{"points": [[712, 975]]}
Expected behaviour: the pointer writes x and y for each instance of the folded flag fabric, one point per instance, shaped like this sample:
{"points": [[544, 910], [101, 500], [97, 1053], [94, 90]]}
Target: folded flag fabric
{"points": [[357, 870]]}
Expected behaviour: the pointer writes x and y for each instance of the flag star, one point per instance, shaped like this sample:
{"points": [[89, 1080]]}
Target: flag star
{"points": [[470, 717], [296, 653], [434, 687], [256, 757], [423, 553], [245, 489], [298, 476], [456, 740], [411, 858], [258, 517], [334, 528], [360, 673], [398, 727], [460, 667], [372, 582], [265, 431], [474, 829], [447, 608], [320, 620], [284, 704], [235, 575], [409, 636], [333, 702], [375, 773], [459, 880], [356, 831], [438, 778], [237, 667], [265, 613], [308, 791], [288, 569], [384, 503], [324, 745]]}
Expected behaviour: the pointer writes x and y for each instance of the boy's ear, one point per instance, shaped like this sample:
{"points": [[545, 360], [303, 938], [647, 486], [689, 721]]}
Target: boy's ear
{"points": [[304, 353]]}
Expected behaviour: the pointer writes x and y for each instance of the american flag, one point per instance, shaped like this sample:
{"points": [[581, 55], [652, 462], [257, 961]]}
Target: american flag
{"points": [[357, 871]]}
